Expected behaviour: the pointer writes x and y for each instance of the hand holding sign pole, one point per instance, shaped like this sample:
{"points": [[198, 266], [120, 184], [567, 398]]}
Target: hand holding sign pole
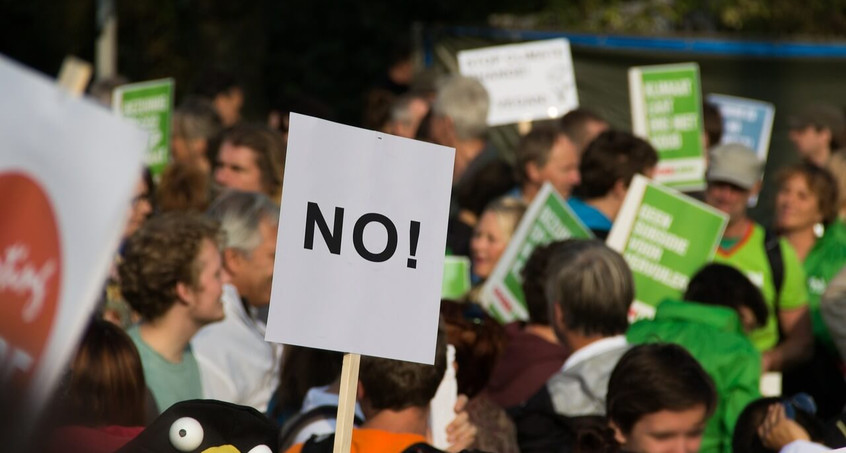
{"points": [[360, 250]]}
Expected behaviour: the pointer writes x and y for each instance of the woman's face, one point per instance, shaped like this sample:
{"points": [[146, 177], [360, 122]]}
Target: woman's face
{"points": [[797, 207], [487, 245], [666, 432]]}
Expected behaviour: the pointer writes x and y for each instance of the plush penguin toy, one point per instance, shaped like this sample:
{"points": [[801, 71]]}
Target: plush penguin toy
{"points": [[206, 426]]}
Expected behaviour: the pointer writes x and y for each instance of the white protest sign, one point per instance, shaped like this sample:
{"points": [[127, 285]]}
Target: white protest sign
{"points": [[362, 236], [67, 172], [525, 82]]}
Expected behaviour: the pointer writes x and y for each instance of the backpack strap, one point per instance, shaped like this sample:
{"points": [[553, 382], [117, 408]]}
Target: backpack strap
{"points": [[772, 245], [421, 447], [318, 444], [292, 427]]}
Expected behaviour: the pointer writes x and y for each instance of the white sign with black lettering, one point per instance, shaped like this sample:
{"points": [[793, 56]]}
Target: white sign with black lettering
{"points": [[361, 242], [529, 81]]}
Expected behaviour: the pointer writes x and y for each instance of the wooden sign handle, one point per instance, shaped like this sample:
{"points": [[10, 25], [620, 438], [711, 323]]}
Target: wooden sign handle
{"points": [[346, 403], [74, 75]]}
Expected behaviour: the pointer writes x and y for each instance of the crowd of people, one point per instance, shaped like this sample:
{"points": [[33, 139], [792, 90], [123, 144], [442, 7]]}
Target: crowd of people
{"points": [[183, 313]]}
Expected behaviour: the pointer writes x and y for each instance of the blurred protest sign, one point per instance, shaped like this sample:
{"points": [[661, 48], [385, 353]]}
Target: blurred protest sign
{"points": [[665, 237], [548, 219], [456, 281], [748, 122], [528, 81], [745, 121], [64, 194], [666, 108], [150, 104], [360, 249]]}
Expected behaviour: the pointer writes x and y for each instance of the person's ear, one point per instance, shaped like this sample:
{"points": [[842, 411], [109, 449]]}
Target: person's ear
{"points": [[619, 189], [826, 134], [618, 433], [359, 392], [184, 292], [233, 261], [533, 173], [756, 189], [558, 316]]}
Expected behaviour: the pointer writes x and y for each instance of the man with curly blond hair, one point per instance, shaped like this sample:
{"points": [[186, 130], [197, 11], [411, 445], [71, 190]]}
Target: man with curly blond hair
{"points": [[172, 276]]}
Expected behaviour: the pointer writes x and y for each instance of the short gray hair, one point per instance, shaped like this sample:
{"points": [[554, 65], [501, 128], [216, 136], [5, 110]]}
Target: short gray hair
{"points": [[196, 119], [239, 214], [592, 285], [465, 100], [401, 109]]}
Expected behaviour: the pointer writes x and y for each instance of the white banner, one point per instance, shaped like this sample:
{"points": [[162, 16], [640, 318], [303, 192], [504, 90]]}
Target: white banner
{"points": [[362, 236], [529, 81]]}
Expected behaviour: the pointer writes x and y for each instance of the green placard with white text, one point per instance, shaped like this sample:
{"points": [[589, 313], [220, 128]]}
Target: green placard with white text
{"points": [[666, 103], [150, 105], [548, 219], [456, 282], [665, 237]]}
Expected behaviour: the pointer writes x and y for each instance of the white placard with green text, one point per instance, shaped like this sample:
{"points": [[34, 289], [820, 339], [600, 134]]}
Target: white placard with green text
{"points": [[666, 103], [525, 82], [665, 237], [548, 219], [150, 104]]}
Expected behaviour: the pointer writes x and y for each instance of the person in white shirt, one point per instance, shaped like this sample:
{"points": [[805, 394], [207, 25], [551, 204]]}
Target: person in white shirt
{"points": [[236, 363]]}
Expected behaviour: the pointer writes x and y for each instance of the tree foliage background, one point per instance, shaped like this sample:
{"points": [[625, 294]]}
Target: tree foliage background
{"points": [[334, 50]]}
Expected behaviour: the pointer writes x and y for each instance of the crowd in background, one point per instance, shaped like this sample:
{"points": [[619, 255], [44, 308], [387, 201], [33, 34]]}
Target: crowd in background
{"points": [[183, 315]]}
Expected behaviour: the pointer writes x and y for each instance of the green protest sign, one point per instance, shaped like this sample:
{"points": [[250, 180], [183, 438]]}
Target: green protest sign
{"points": [[665, 237], [547, 219], [456, 282], [666, 103], [150, 105]]}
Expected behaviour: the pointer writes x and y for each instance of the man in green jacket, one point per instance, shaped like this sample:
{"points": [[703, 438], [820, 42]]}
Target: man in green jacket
{"points": [[712, 330]]}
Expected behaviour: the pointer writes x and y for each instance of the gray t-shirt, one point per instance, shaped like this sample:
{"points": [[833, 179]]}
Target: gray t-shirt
{"points": [[169, 382]]}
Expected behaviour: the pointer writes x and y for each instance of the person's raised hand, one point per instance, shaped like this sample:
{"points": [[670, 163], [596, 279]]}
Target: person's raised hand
{"points": [[461, 432], [777, 430]]}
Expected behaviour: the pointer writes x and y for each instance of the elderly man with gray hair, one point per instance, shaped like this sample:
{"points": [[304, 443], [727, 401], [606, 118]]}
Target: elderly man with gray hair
{"points": [[589, 289], [236, 364], [460, 121]]}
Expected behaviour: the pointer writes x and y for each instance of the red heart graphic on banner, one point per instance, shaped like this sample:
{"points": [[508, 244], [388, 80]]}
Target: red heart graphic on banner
{"points": [[30, 277]]}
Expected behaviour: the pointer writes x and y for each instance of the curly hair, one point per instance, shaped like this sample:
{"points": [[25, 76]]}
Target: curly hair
{"points": [[160, 254], [820, 182]]}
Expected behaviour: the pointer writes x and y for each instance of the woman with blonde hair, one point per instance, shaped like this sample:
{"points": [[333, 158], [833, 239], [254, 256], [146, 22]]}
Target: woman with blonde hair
{"points": [[491, 235]]}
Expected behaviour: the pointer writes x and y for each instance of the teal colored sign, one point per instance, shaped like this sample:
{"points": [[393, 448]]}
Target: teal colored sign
{"points": [[548, 219], [150, 104], [665, 237], [666, 104]]}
